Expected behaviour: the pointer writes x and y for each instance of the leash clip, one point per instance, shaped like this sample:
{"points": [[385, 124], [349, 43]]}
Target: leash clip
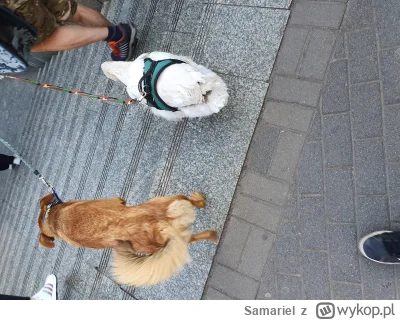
{"points": [[142, 96]]}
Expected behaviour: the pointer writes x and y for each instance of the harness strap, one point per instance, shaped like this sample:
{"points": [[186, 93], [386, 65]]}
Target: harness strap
{"points": [[148, 83], [51, 205]]}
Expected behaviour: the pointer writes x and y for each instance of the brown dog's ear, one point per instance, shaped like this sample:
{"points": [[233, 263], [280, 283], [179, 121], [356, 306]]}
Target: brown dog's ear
{"points": [[46, 241], [47, 199]]}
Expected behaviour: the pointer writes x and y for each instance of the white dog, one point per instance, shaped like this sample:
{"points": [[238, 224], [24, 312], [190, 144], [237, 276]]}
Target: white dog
{"points": [[173, 86]]}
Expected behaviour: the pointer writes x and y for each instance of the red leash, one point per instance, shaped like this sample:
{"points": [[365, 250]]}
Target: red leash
{"points": [[76, 92]]}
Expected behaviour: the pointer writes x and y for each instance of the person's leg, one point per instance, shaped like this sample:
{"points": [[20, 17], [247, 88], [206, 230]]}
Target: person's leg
{"points": [[71, 37], [94, 27], [89, 17], [5, 162]]}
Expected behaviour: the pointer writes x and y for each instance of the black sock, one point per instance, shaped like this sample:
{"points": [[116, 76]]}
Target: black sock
{"points": [[114, 34]]}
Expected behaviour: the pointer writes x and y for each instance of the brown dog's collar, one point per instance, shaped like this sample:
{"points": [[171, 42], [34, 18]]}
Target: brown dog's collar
{"points": [[46, 214]]}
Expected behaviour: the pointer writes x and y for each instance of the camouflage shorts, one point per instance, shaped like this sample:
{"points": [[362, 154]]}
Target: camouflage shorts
{"points": [[43, 15]]}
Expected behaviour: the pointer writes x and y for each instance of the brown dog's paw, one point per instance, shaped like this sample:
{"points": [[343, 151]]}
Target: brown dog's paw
{"points": [[213, 236], [198, 199]]}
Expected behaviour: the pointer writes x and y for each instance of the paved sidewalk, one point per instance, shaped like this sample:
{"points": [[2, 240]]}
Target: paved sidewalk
{"points": [[91, 149], [294, 227]]}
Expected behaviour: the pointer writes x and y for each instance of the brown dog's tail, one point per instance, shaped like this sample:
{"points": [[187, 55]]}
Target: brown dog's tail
{"points": [[130, 269]]}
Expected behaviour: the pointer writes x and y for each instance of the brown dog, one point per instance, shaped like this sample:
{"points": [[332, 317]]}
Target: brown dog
{"points": [[150, 239]]}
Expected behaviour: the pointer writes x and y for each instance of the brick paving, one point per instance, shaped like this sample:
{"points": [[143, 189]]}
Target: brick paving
{"points": [[322, 169], [338, 66]]}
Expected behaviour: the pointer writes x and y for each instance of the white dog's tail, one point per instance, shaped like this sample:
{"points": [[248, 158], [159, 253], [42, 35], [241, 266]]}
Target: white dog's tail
{"points": [[130, 269]]}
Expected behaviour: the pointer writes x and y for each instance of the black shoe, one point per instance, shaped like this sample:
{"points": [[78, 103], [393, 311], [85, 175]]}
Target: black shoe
{"points": [[381, 247], [123, 48]]}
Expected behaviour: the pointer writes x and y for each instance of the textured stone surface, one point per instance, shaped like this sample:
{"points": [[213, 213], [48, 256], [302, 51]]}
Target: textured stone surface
{"points": [[291, 50], [114, 150], [272, 191], [315, 275], [337, 140], [343, 253], [229, 45], [392, 118], [335, 97], [310, 173], [390, 66], [284, 162], [227, 280], [363, 57], [339, 195], [312, 223], [369, 167], [295, 90], [317, 55], [288, 115], [262, 147], [320, 14], [366, 111], [257, 212]]}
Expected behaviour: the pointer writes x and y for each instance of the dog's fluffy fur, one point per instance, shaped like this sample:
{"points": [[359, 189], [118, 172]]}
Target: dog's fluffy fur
{"points": [[195, 90], [157, 228]]}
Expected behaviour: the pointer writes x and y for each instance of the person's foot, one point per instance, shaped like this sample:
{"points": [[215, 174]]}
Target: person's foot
{"points": [[123, 48], [381, 247], [17, 160], [49, 290]]}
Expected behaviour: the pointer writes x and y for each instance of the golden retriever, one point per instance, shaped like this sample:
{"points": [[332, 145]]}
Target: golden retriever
{"points": [[149, 240]]}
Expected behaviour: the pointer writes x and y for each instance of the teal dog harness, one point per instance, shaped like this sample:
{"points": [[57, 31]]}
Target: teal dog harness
{"points": [[148, 83]]}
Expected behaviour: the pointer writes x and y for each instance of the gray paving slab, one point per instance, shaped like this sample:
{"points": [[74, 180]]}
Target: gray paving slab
{"points": [[295, 90], [228, 44], [261, 213], [337, 140], [369, 164], [391, 115], [287, 153], [346, 291], [315, 275], [317, 55], [288, 115], [335, 97], [315, 132], [292, 48], [289, 287], [310, 172], [394, 188], [343, 253], [288, 254], [363, 58], [232, 246], [259, 3], [213, 294], [390, 66], [339, 195], [322, 14], [378, 281], [366, 111], [312, 223], [387, 23], [227, 280], [255, 252], [262, 148], [272, 191], [372, 214]]}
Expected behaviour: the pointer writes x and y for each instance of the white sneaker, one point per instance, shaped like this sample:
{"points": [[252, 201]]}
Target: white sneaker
{"points": [[49, 290], [17, 160]]}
